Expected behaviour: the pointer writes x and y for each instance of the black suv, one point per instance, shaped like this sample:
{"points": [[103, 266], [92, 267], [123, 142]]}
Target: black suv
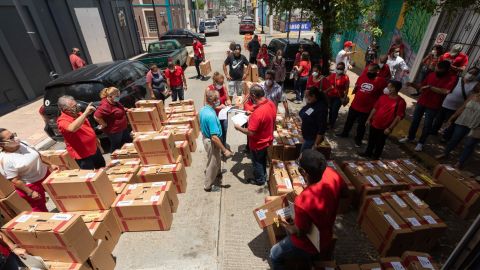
{"points": [[184, 36], [290, 49], [85, 85]]}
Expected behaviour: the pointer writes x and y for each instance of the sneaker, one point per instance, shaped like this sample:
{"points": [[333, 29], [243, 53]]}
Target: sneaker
{"points": [[254, 182], [215, 188], [419, 147], [199, 76], [405, 140]]}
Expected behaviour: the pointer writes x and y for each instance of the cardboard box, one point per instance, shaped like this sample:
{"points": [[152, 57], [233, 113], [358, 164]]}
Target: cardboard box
{"points": [[358, 177], [157, 104], [181, 108], [139, 209], [13, 205], [144, 119], [205, 68], [101, 258], [6, 187], [419, 261], [53, 236], [392, 263], [181, 102], [275, 151], [190, 60], [371, 266], [348, 267], [80, 190], [282, 206], [124, 154], [159, 157], [175, 173], [293, 171], [68, 266], [348, 194], [125, 161], [103, 226], [458, 206], [253, 73], [159, 141], [185, 120], [326, 149], [60, 158], [279, 181], [184, 150], [158, 187], [324, 265], [183, 132]]}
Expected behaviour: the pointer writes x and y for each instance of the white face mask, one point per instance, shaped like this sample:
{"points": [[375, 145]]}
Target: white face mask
{"points": [[339, 71], [279, 57], [315, 74], [397, 54], [269, 82], [218, 86], [381, 65], [386, 91], [434, 53], [217, 103]]}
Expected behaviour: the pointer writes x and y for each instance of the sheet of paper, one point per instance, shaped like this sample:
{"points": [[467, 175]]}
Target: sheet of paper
{"points": [[314, 236], [222, 115], [240, 119], [34, 262]]}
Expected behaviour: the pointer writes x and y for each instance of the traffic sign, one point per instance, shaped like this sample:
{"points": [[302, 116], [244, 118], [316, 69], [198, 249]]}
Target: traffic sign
{"points": [[440, 38]]}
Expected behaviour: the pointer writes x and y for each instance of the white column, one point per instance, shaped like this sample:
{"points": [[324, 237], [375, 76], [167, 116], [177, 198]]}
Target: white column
{"points": [[271, 24], [187, 14], [257, 19]]}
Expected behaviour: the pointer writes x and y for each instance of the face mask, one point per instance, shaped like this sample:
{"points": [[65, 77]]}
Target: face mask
{"points": [[371, 75], [279, 57], [269, 82], [434, 53], [397, 54], [217, 103], [218, 86], [116, 99], [314, 74], [381, 65], [339, 71], [386, 91]]}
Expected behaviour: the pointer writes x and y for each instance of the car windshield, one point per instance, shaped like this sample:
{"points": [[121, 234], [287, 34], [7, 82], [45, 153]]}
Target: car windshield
{"points": [[162, 46], [87, 92], [210, 23]]}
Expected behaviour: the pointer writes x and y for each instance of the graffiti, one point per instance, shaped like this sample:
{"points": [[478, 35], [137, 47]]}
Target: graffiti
{"points": [[415, 24]]}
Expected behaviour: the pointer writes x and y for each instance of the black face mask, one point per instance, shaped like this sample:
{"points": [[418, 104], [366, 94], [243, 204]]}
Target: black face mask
{"points": [[371, 75], [441, 73]]}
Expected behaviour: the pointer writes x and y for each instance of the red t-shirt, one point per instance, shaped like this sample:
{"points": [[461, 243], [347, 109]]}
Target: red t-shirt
{"points": [[81, 143], [340, 83], [175, 76], [265, 57], [385, 109], [76, 61], [306, 68], [318, 204], [460, 60], [222, 95], [197, 49], [433, 100], [367, 93], [324, 82], [262, 122], [113, 114], [249, 106], [384, 72]]}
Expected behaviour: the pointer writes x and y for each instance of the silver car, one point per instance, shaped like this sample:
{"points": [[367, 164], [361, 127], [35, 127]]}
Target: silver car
{"points": [[211, 27]]}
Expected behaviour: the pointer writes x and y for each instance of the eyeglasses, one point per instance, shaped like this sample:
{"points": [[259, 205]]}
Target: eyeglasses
{"points": [[9, 139]]}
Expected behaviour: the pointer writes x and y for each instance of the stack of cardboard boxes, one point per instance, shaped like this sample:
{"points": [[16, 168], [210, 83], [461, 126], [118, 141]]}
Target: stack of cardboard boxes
{"points": [[461, 192], [398, 221], [11, 204], [61, 158]]}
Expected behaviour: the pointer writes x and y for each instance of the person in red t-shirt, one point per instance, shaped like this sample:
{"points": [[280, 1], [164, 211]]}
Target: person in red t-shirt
{"points": [[199, 56], [433, 90], [385, 115], [260, 133], [263, 60], [457, 59], [368, 88], [303, 71], [223, 101], [316, 206], [176, 81], [317, 80], [384, 71], [338, 93], [75, 60], [112, 118], [79, 136]]}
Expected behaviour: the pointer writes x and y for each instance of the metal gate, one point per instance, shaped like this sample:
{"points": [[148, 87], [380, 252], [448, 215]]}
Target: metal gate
{"points": [[461, 28]]}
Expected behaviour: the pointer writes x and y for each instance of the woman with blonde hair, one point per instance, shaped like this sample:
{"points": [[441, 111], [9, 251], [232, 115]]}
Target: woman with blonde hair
{"points": [[112, 118], [223, 100]]}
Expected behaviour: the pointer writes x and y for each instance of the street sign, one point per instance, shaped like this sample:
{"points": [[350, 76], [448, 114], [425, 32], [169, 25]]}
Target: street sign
{"points": [[296, 26], [440, 38]]}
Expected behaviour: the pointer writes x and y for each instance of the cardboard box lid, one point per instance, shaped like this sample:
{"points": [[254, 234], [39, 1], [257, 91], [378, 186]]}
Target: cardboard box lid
{"points": [[92, 216], [75, 176], [42, 221], [164, 134], [181, 144], [281, 206], [142, 194], [142, 110], [127, 161], [123, 169], [121, 178], [159, 169]]}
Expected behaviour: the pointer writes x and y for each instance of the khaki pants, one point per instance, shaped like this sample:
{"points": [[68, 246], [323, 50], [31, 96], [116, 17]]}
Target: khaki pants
{"points": [[213, 171]]}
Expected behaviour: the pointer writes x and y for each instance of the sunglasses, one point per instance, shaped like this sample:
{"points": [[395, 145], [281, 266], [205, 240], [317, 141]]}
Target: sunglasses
{"points": [[9, 139]]}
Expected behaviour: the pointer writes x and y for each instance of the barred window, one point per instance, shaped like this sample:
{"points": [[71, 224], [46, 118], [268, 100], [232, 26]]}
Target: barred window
{"points": [[151, 23]]}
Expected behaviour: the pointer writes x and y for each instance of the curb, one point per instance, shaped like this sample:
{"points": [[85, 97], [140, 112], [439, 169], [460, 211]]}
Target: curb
{"points": [[45, 144]]}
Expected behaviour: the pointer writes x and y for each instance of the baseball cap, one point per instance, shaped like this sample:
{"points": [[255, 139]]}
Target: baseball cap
{"points": [[456, 49], [348, 44]]}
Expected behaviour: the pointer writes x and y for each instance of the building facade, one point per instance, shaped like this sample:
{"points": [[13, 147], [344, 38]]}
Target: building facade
{"points": [[37, 36]]}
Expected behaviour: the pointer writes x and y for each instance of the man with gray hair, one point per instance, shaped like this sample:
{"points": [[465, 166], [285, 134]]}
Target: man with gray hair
{"points": [[212, 132], [457, 59], [79, 136]]}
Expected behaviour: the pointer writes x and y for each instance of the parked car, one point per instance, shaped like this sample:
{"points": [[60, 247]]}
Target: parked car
{"points": [[85, 85], [163, 51], [211, 27], [290, 49], [184, 36], [219, 18], [246, 26], [201, 27]]}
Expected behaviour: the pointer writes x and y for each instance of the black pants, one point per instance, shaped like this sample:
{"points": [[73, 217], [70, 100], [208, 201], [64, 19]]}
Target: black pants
{"points": [[376, 142], [197, 65], [443, 115], [95, 161], [359, 117], [117, 140], [177, 93], [253, 59]]}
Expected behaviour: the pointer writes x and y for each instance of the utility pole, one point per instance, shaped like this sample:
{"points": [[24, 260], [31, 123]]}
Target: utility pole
{"points": [[288, 24], [301, 22], [263, 32], [156, 21], [194, 8]]}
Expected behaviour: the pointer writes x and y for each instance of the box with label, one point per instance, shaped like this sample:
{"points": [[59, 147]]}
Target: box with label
{"points": [[61, 158], [358, 177], [124, 154], [181, 102], [275, 232], [184, 150], [103, 225], [269, 213], [175, 173], [419, 261], [125, 161], [144, 119], [101, 258], [13, 205], [205, 68], [160, 157], [157, 187], [348, 267], [157, 104], [185, 120], [279, 181], [159, 141], [80, 190], [53, 236], [433, 197], [371, 266], [293, 171], [348, 195], [139, 209], [392, 263], [123, 170], [183, 132]]}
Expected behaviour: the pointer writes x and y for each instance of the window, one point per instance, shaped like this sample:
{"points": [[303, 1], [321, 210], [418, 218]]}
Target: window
{"points": [[151, 22]]}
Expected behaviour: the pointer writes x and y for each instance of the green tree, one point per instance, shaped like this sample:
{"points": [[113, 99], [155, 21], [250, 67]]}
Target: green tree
{"points": [[450, 7], [200, 4]]}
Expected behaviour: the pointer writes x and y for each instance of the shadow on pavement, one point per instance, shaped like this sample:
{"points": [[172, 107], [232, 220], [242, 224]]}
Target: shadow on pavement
{"points": [[259, 246]]}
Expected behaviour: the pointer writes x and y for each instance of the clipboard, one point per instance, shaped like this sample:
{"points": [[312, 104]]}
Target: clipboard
{"points": [[314, 236]]}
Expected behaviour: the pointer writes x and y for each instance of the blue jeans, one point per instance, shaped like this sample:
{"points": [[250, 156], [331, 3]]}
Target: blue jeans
{"points": [[459, 132], [259, 161], [262, 71], [224, 124], [300, 86], [177, 91], [334, 106], [307, 144], [12, 263], [427, 123], [285, 249], [95, 161], [468, 148], [118, 139]]}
